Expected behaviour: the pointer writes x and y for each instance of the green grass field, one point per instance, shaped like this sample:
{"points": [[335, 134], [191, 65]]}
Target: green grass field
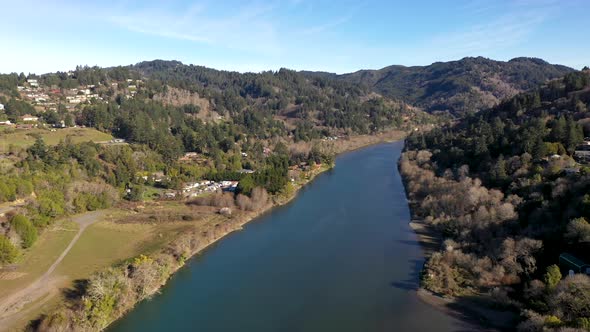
{"points": [[36, 260], [117, 236], [23, 138], [106, 243]]}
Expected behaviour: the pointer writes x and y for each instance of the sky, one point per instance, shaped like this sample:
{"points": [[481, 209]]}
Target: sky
{"points": [[39, 36]]}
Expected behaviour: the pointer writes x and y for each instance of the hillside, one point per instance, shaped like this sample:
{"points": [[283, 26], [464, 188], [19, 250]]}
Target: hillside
{"points": [[507, 189], [333, 106], [462, 86]]}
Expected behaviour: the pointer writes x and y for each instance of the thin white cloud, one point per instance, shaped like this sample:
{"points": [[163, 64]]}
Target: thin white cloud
{"points": [[248, 28], [326, 26], [507, 29]]}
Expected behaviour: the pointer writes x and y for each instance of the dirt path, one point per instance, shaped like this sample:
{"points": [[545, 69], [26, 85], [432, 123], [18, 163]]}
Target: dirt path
{"points": [[10, 307], [10, 206]]}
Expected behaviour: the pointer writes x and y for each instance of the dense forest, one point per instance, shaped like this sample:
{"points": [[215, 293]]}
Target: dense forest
{"points": [[463, 86], [508, 194]]}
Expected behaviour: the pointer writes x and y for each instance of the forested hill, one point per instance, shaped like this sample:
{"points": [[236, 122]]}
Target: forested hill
{"points": [[508, 188], [297, 100], [462, 86]]}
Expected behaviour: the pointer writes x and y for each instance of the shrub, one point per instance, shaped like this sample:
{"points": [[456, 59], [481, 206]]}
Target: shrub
{"points": [[8, 252], [552, 276], [25, 229]]}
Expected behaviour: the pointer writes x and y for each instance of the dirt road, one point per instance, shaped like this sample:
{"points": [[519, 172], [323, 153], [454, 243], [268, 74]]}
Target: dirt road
{"points": [[10, 307]]}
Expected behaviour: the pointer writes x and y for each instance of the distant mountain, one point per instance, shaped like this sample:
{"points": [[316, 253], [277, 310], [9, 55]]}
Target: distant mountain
{"points": [[462, 86]]}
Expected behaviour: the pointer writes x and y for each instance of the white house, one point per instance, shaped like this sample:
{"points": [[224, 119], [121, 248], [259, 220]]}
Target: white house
{"points": [[29, 118], [33, 82], [1, 107]]}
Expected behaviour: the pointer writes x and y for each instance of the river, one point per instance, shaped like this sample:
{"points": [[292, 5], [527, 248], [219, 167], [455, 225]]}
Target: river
{"points": [[340, 257]]}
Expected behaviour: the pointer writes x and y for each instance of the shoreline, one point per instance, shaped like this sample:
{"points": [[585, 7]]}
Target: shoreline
{"points": [[471, 310], [202, 241], [359, 142]]}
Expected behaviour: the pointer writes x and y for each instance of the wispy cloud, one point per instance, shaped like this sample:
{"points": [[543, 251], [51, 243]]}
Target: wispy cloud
{"points": [[248, 28], [505, 27], [326, 26]]}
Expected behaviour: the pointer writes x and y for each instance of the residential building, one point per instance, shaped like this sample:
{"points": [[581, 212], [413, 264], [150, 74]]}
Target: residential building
{"points": [[29, 118], [573, 263]]}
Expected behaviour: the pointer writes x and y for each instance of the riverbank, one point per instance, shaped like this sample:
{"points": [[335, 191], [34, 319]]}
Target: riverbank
{"points": [[172, 257], [341, 253], [476, 310]]}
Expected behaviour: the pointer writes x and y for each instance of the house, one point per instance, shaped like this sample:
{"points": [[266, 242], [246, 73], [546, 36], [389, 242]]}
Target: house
{"points": [[170, 195], [6, 123], [33, 82], [245, 171], [230, 186], [582, 155], [582, 152], [1, 107], [29, 118], [571, 170], [571, 262], [189, 156]]}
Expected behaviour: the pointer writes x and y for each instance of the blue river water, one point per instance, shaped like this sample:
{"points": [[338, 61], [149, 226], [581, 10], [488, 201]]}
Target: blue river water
{"points": [[339, 257]]}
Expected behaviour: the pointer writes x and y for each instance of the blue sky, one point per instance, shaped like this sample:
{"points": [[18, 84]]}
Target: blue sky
{"points": [[337, 36]]}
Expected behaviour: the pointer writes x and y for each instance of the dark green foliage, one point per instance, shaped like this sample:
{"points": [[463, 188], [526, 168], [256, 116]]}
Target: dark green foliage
{"points": [[136, 193], [8, 82], [523, 149], [273, 177], [246, 185], [456, 86], [252, 100], [15, 108]]}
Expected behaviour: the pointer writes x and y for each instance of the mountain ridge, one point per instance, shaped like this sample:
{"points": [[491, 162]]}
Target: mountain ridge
{"points": [[460, 86]]}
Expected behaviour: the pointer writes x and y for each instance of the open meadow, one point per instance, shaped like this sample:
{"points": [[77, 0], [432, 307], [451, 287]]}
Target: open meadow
{"points": [[23, 138], [110, 237]]}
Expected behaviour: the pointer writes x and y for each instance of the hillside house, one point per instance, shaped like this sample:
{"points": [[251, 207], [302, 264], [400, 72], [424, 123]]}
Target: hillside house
{"points": [[170, 195], [570, 262], [29, 118], [189, 156], [33, 82], [1, 107], [582, 153]]}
